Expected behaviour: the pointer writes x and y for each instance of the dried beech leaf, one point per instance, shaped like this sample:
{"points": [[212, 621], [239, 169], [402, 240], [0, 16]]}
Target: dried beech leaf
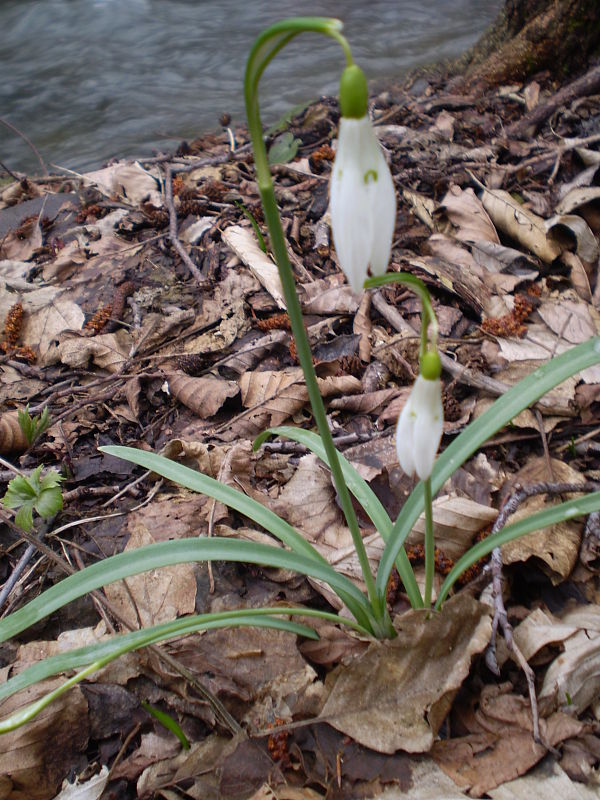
{"points": [[547, 780], [422, 207], [204, 395], [567, 229], [500, 746], [329, 296], [521, 224], [556, 546], [571, 319], [572, 681], [129, 180], [109, 351], [36, 757], [580, 279], [396, 696], [165, 594], [456, 522], [368, 403], [244, 244], [45, 324], [466, 212], [362, 325], [12, 438]]}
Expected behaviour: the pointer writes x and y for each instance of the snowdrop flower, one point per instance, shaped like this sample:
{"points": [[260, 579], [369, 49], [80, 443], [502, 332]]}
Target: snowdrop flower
{"points": [[363, 201], [419, 430]]}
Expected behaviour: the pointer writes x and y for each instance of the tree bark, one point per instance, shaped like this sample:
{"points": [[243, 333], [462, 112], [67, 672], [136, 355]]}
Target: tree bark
{"points": [[529, 36]]}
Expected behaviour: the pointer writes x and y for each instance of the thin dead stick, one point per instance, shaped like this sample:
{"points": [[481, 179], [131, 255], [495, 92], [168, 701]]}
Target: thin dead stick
{"points": [[500, 618], [28, 141]]}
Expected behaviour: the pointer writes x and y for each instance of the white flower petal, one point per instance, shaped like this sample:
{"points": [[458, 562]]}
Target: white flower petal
{"points": [[405, 437], [420, 428], [363, 202]]}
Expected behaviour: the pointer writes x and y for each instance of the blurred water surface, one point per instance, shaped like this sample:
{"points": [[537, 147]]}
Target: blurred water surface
{"points": [[87, 80]]}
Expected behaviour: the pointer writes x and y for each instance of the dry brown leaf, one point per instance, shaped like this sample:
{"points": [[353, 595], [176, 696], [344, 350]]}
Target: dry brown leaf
{"points": [[456, 521], [572, 681], [109, 351], [368, 403], [44, 325], [204, 395], [160, 595], [129, 180], [466, 212], [272, 396], [156, 328], [396, 696], [12, 438], [329, 296], [521, 224], [244, 244], [422, 207], [362, 325], [501, 746], [35, 758], [569, 229], [91, 789], [580, 278], [498, 258], [570, 319], [556, 546], [232, 324], [547, 780]]}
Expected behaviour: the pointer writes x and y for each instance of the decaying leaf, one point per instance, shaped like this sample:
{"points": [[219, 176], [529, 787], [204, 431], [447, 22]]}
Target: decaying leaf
{"points": [[107, 350], [244, 244], [568, 230], [520, 223], [34, 759], [547, 780], [396, 696], [557, 546], [165, 594], [500, 745], [130, 180], [12, 438], [466, 212], [204, 395]]}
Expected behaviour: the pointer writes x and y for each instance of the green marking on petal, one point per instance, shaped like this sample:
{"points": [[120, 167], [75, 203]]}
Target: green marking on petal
{"points": [[370, 173]]}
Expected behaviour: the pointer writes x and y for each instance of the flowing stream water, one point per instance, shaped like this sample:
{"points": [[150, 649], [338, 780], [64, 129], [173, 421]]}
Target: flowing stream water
{"points": [[87, 80]]}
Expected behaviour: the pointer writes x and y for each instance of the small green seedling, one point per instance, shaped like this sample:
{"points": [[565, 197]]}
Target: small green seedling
{"points": [[27, 494], [33, 427]]}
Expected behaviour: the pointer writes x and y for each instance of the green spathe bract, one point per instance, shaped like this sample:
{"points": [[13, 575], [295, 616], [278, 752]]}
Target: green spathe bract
{"points": [[368, 610]]}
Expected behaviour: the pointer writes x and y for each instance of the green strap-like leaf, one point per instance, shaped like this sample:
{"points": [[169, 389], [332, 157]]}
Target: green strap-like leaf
{"points": [[521, 396], [166, 553], [96, 656], [198, 482], [535, 522], [361, 490]]}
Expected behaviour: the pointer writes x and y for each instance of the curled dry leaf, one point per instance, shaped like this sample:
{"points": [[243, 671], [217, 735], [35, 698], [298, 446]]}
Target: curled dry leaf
{"points": [[244, 244], [500, 745], [572, 681], [129, 180], [396, 696], [573, 233], [204, 395], [556, 546], [12, 438], [580, 279], [466, 212], [521, 224], [36, 757]]}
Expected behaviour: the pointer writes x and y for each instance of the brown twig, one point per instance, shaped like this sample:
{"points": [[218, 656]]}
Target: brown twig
{"points": [[500, 618], [28, 141]]}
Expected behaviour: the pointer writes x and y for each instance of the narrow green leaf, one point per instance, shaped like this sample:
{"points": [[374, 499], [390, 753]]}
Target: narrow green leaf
{"points": [[535, 522], [198, 482], [361, 490], [99, 655], [521, 396], [166, 553], [167, 721]]}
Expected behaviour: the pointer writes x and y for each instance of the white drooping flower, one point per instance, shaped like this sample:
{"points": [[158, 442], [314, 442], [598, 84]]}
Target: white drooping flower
{"points": [[363, 202], [419, 430]]}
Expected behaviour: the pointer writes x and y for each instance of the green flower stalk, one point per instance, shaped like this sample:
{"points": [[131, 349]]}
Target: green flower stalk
{"points": [[265, 48]]}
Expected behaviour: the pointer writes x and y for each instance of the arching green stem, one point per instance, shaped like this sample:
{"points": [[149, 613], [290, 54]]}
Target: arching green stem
{"points": [[429, 334], [265, 48]]}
